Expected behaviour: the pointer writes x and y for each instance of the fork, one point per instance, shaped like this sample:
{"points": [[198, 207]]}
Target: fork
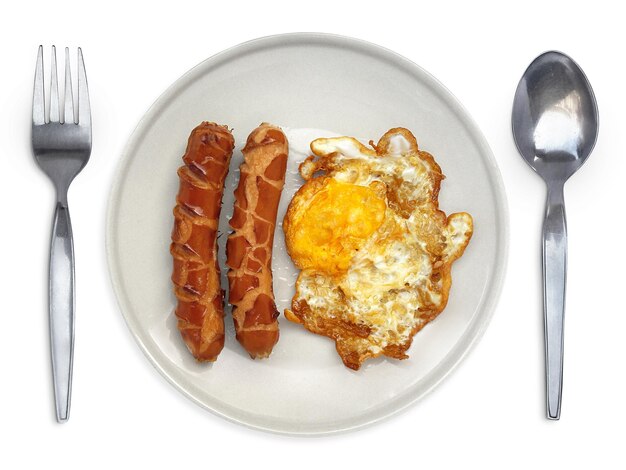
{"points": [[61, 142]]}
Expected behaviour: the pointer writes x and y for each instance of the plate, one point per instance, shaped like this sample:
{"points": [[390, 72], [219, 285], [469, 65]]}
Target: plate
{"points": [[299, 81]]}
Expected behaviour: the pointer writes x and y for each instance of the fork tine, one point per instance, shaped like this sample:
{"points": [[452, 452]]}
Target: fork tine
{"points": [[68, 114], [54, 88], [84, 110], [39, 107]]}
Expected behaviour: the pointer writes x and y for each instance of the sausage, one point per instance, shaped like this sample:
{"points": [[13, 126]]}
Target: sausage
{"points": [[249, 246], [196, 273]]}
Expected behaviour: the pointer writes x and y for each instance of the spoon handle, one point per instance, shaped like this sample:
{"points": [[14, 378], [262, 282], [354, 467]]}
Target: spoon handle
{"points": [[554, 276]]}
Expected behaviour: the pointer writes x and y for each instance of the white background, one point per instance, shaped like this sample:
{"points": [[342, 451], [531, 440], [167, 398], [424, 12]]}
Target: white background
{"points": [[489, 413]]}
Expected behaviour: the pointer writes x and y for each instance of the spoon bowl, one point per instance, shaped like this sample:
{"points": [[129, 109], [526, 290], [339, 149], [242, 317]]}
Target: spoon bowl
{"points": [[555, 127], [555, 116]]}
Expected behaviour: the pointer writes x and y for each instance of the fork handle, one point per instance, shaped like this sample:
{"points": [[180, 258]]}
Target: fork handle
{"points": [[61, 306], [554, 278]]}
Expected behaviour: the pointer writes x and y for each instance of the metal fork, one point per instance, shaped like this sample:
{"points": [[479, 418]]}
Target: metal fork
{"points": [[61, 144]]}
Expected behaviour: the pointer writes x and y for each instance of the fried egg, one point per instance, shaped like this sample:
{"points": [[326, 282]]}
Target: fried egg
{"points": [[374, 250]]}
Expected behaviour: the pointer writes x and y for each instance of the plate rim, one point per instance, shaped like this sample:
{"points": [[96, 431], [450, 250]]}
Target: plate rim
{"points": [[475, 330]]}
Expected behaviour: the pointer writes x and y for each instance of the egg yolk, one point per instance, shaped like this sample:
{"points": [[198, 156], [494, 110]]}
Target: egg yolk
{"points": [[334, 225]]}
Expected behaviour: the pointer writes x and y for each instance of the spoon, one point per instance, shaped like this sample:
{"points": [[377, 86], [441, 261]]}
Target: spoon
{"points": [[555, 127]]}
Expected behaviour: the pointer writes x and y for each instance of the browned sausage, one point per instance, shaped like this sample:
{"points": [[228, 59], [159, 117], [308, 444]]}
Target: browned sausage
{"points": [[196, 274], [249, 247]]}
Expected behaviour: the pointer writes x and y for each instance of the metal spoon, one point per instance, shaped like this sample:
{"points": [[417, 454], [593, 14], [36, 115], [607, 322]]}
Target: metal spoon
{"points": [[555, 127]]}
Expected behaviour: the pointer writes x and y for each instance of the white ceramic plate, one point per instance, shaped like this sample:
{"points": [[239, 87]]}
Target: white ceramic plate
{"points": [[302, 81]]}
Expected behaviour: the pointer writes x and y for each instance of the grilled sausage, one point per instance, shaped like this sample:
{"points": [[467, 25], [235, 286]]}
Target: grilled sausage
{"points": [[249, 247], [196, 273]]}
